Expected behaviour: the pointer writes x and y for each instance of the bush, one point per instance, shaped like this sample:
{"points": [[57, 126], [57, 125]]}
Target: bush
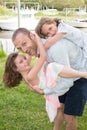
{"points": [[2, 53], [6, 12]]}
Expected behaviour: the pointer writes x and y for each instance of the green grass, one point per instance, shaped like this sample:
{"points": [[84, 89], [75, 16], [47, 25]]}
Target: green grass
{"points": [[2, 53], [21, 109]]}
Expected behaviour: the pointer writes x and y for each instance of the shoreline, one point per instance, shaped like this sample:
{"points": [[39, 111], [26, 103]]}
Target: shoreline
{"points": [[5, 34]]}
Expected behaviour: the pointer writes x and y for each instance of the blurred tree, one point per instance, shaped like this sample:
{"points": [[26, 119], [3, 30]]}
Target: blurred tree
{"points": [[58, 4], [1, 2]]}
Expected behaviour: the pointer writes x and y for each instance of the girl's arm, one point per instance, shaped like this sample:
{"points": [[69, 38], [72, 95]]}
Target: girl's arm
{"points": [[65, 82], [40, 61], [65, 74], [52, 40], [37, 90], [34, 89], [68, 72]]}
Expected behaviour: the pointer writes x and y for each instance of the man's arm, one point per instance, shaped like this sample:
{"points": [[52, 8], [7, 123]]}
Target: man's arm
{"points": [[77, 37], [59, 53]]}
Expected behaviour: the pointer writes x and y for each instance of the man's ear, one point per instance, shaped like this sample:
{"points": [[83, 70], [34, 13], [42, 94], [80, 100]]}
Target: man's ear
{"points": [[32, 36]]}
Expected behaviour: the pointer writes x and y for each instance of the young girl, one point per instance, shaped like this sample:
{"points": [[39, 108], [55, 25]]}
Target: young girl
{"points": [[56, 29], [42, 78]]}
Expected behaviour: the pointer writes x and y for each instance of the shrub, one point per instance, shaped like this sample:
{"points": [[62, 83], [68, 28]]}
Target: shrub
{"points": [[2, 53]]}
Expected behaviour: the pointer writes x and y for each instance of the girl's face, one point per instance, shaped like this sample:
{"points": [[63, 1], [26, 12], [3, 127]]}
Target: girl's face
{"points": [[22, 63], [49, 30]]}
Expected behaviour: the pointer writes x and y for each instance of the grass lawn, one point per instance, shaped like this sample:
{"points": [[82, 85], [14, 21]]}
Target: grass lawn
{"points": [[21, 109]]}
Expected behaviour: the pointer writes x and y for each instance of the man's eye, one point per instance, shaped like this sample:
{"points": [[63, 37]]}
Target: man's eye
{"points": [[23, 44], [20, 61], [50, 28]]}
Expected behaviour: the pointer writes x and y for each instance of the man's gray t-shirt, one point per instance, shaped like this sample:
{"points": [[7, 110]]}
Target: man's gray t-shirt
{"points": [[66, 53]]}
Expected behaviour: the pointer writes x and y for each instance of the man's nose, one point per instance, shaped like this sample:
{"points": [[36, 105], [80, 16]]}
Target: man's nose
{"points": [[24, 49]]}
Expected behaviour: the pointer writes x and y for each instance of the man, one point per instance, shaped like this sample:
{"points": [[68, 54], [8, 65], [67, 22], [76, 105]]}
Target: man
{"points": [[67, 53]]}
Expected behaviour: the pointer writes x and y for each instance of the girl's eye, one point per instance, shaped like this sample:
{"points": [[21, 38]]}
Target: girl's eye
{"points": [[25, 58], [20, 61]]}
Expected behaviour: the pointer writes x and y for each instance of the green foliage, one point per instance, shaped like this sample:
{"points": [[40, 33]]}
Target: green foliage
{"points": [[2, 53], [3, 10], [6, 12], [58, 4], [85, 2]]}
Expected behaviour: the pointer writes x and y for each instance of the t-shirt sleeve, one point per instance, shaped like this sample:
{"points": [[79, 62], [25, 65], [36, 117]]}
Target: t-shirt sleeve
{"points": [[77, 37], [60, 55]]}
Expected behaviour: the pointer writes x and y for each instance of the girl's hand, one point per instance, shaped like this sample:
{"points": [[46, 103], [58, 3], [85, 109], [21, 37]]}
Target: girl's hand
{"points": [[36, 89], [37, 39], [39, 91]]}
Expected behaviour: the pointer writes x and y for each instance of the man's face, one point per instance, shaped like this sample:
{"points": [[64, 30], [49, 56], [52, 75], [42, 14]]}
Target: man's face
{"points": [[25, 44]]}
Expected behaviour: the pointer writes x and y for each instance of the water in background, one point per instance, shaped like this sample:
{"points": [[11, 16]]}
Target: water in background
{"points": [[6, 34], [83, 29]]}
